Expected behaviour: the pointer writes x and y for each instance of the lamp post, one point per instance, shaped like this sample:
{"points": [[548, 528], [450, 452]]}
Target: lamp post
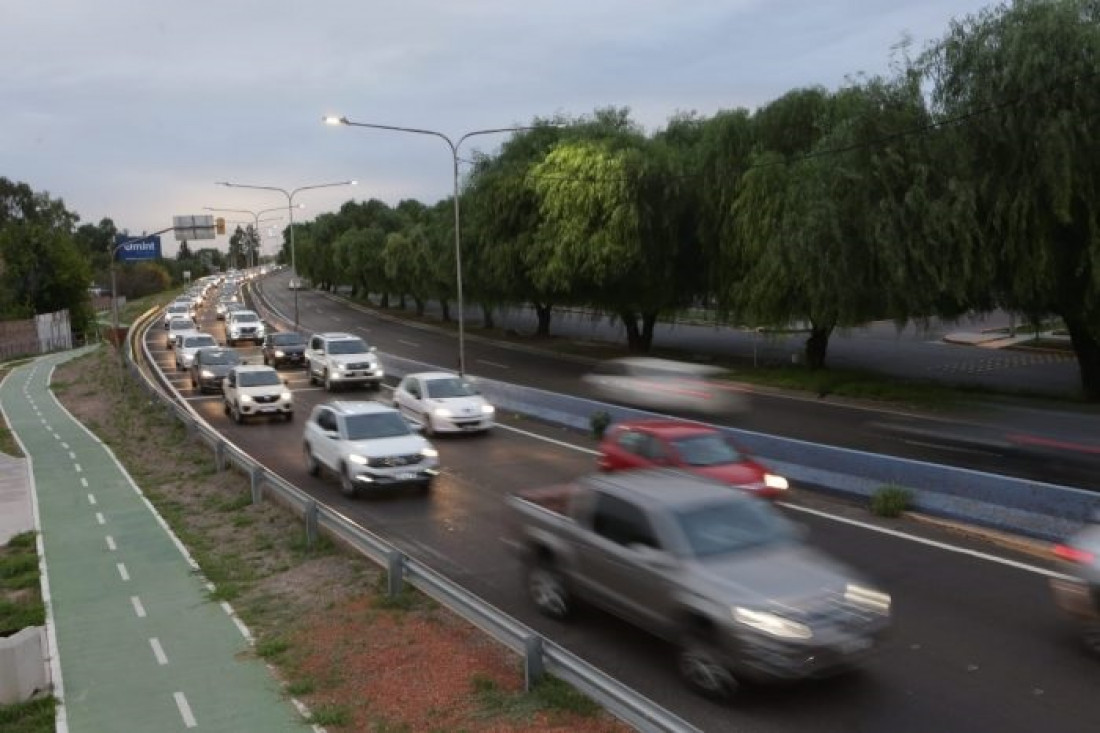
{"points": [[454, 146], [290, 211], [254, 214]]}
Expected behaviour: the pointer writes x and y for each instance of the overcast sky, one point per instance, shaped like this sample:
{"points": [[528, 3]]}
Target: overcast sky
{"points": [[132, 109]]}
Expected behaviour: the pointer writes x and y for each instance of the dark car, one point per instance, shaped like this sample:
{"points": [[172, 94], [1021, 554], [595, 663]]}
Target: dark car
{"points": [[210, 367], [285, 347]]}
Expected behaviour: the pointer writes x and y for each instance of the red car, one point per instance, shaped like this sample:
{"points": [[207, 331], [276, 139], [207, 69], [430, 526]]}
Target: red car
{"points": [[697, 448]]}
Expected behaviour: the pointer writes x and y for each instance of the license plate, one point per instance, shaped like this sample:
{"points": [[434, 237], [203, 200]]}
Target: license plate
{"points": [[406, 476]]}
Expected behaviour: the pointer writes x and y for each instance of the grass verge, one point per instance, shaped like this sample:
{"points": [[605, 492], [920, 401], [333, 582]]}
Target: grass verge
{"points": [[20, 594]]}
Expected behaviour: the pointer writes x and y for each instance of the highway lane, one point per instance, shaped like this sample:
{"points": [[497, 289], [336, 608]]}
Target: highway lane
{"points": [[957, 438], [977, 645]]}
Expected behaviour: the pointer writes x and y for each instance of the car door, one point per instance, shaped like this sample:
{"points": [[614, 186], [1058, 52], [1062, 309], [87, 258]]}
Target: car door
{"points": [[230, 387], [327, 447], [316, 355], [628, 450], [415, 403]]}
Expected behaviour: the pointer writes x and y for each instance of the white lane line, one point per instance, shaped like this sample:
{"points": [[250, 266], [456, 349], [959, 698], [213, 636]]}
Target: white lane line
{"points": [[408, 343], [111, 543], [930, 543], [562, 443], [77, 467], [240, 624], [493, 364], [123, 571], [100, 518], [158, 652], [91, 499], [63, 445], [84, 482], [364, 329], [57, 436], [185, 710], [72, 455], [138, 608]]}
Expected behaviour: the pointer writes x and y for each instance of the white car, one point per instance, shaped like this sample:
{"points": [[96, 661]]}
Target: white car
{"points": [[243, 325], [177, 327], [662, 384], [188, 345], [177, 309], [339, 359], [256, 390], [368, 446], [443, 402]]}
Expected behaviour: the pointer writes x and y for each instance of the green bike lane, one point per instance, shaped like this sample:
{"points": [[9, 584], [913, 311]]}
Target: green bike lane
{"points": [[140, 645]]}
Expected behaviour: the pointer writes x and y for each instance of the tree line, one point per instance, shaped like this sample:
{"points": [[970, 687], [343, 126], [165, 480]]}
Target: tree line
{"points": [[964, 180]]}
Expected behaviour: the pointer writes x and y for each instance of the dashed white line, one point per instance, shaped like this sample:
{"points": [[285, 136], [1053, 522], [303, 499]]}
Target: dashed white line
{"points": [[111, 543], [158, 652], [77, 467], [138, 608], [123, 571], [493, 364], [63, 445], [84, 482], [100, 518], [185, 710], [91, 499], [240, 624], [409, 343], [72, 455]]}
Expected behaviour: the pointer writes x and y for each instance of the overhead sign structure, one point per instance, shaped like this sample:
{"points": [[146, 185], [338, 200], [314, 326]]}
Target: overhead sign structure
{"points": [[193, 227], [145, 248]]}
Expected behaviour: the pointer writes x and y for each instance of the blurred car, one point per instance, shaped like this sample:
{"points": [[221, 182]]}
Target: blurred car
{"points": [[1079, 595], [700, 449], [367, 445], [284, 347], [663, 385], [210, 366], [443, 402], [189, 344], [178, 327], [251, 389], [176, 309], [244, 325], [221, 306]]}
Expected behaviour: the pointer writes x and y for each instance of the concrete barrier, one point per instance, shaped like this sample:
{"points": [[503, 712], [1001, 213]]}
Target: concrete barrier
{"points": [[22, 665]]}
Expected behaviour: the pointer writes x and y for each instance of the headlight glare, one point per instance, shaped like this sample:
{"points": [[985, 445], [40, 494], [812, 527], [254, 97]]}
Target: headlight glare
{"points": [[868, 598], [429, 452], [771, 624], [358, 459], [775, 482], [441, 412], [488, 409]]}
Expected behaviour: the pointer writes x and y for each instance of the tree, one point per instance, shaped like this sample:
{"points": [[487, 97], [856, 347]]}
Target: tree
{"points": [[184, 252], [1026, 76]]}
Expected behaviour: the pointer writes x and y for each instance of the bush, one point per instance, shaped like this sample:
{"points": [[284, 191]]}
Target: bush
{"points": [[599, 421], [891, 501]]}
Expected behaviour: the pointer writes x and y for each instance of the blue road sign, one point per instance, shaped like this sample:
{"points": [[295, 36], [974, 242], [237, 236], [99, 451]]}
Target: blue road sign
{"points": [[146, 248]]}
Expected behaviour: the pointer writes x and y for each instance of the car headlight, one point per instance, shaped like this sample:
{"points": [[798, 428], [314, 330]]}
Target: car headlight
{"points": [[246, 398], [279, 354], [206, 374], [341, 367], [285, 397], [488, 409], [429, 452], [775, 482], [358, 459], [441, 412], [868, 598], [771, 624]]}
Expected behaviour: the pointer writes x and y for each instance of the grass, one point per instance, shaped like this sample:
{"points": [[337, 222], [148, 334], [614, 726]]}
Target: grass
{"points": [[20, 598], [550, 695], [272, 647], [8, 444], [33, 716], [891, 501], [334, 715]]}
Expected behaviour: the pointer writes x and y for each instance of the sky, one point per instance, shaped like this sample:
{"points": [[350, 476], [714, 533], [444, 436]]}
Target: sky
{"points": [[133, 109]]}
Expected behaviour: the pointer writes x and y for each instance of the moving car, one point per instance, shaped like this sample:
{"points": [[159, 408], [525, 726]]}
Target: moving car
{"points": [[177, 310], [243, 325], [251, 389], [284, 347], [701, 449], [189, 344], [368, 446], [722, 576], [1079, 596], [443, 402], [664, 385], [339, 359], [178, 327], [210, 366]]}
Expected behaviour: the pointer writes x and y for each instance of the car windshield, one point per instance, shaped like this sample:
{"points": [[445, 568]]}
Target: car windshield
{"points": [[258, 379], [287, 339], [245, 318], [710, 449], [197, 342], [452, 387], [180, 324], [733, 526], [376, 425], [347, 346], [220, 357]]}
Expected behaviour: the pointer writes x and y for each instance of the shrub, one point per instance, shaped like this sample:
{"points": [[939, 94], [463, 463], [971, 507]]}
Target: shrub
{"points": [[890, 501], [599, 421]]}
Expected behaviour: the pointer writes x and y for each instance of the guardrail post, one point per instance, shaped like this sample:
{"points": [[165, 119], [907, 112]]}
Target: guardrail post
{"points": [[257, 476], [395, 573], [311, 524], [533, 668], [219, 455]]}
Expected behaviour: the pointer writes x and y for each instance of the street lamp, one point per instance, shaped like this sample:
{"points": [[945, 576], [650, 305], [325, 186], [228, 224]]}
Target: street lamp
{"points": [[290, 210], [254, 214], [454, 145]]}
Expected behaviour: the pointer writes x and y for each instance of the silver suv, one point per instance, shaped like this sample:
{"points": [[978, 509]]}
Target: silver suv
{"points": [[338, 359], [243, 325]]}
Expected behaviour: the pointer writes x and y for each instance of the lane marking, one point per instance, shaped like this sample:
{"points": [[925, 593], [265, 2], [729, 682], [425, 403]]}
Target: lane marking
{"points": [[240, 624], [84, 482], [123, 571], [77, 467], [158, 652], [408, 343], [185, 710], [63, 445], [72, 455], [138, 608], [555, 441], [111, 543], [91, 499], [493, 364], [100, 518]]}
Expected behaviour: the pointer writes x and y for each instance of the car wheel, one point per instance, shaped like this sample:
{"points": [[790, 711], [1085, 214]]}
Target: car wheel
{"points": [[225, 407], [329, 386], [429, 431], [265, 360], [426, 487], [701, 668], [347, 486], [547, 590], [312, 376], [289, 416], [238, 417], [312, 466]]}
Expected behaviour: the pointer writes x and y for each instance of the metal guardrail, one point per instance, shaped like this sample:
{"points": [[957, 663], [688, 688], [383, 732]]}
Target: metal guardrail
{"points": [[539, 654]]}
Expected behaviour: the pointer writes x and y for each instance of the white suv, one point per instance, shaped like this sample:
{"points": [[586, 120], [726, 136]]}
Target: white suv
{"points": [[368, 445], [256, 390], [244, 325], [338, 359]]}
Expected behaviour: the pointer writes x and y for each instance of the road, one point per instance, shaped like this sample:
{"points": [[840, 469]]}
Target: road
{"points": [[977, 644]]}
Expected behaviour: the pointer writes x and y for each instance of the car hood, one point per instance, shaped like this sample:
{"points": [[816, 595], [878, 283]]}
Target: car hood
{"points": [[401, 445], [354, 359], [736, 474], [289, 348], [263, 391], [460, 406], [792, 574]]}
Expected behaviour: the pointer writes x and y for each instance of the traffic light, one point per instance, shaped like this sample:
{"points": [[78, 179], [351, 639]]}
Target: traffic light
{"points": [[219, 225]]}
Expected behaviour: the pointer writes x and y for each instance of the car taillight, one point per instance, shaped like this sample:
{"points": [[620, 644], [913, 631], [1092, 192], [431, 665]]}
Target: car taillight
{"points": [[1074, 554]]}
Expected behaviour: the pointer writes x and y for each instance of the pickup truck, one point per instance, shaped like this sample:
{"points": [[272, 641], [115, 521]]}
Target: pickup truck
{"points": [[723, 576]]}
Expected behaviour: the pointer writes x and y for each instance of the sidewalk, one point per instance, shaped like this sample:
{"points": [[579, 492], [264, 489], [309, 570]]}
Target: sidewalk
{"points": [[136, 642]]}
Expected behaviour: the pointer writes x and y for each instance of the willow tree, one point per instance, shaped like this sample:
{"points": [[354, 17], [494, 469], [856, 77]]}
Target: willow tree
{"points": [[1025, 79]]}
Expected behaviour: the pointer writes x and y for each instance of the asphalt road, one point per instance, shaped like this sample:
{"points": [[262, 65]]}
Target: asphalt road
{"points": [[977, 645]]}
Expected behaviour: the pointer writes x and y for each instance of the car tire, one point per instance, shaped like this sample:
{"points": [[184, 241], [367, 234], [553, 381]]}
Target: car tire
{"points": [[289, 416], [312, 376], [225, 408], [265, 360], [313, 468], [701, 668], [547, 590], [238, 416], [429, 431], [329, 386], [347, 486], [426, 488]]}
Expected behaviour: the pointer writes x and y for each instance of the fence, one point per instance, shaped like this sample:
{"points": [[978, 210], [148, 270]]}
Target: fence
{"points": [[44, 333]]}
